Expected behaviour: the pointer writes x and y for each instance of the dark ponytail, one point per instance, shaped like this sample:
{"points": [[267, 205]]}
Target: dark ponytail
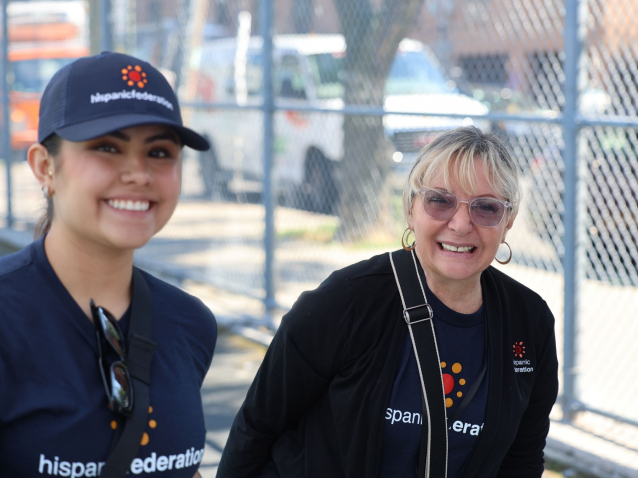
{"points": [[53, 144]]}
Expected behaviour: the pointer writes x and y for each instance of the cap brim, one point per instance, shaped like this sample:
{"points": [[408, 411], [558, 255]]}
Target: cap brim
{"points": [[99, 127]]}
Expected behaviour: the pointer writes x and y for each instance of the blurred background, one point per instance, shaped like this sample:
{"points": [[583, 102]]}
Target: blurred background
{"points": [[316, 111]]}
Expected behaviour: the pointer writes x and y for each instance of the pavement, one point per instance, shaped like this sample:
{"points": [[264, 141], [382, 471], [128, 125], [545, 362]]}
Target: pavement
{"points": [[214, 251], [234, 365]]}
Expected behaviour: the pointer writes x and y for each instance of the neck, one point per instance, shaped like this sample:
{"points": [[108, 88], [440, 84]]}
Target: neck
{"points": [[91, 271], [463, 298]]}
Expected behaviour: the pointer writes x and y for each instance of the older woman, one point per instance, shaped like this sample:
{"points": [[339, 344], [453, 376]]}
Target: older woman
{"points": [[341, 392]]}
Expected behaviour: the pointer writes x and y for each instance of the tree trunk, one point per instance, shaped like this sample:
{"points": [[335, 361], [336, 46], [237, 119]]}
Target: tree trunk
{"points": [[372, 37]]}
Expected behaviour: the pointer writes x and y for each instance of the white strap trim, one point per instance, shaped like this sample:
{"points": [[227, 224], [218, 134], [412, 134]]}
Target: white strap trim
{"points": [[416, 353], [438, 356]]}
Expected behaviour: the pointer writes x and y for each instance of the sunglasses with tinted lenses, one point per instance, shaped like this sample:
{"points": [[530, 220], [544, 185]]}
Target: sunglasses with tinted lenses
{"points": [[484, 211], [116, 377]]}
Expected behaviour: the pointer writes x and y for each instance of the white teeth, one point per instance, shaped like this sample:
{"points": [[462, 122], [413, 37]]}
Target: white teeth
{"points": [[447, 247], [129, 205]]}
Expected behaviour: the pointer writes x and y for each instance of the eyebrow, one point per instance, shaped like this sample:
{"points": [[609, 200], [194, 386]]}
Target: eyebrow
{"points": [[168, 135]]}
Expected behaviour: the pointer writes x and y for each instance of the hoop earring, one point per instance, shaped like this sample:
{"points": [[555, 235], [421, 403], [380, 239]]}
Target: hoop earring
{"points": [[406, 234], [508, 259], [47, 192]]}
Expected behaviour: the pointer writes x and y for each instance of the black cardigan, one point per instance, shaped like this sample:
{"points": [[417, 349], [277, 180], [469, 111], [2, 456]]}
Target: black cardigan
{"points": [[316, 406]]}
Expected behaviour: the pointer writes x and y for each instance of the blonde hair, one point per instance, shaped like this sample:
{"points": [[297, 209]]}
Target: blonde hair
{"points": [[454, 153]]}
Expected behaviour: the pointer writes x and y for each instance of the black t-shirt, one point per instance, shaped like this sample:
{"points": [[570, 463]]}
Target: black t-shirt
{"points": [[461, 343], [54, 419]]}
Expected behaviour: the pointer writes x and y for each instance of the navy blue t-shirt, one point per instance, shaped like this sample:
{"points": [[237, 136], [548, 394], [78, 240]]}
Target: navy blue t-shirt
{"points": [[54, 419], [461, 343]]}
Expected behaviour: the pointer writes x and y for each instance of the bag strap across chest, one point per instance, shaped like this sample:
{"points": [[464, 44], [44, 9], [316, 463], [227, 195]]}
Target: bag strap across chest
{"points": [[126, 443], [418, 315]]}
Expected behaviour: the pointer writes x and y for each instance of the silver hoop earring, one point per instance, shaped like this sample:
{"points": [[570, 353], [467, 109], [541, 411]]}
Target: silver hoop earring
{"points": [[47, 192], [508, 259]]}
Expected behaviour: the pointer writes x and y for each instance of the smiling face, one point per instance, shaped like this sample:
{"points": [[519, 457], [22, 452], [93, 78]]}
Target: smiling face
{"points": [[456, 249], [118, 190]]}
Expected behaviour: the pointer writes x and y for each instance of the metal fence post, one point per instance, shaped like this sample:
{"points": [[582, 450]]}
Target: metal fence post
{"points": [[573, 178], [268, 111], [105, 13], [6, 130]]}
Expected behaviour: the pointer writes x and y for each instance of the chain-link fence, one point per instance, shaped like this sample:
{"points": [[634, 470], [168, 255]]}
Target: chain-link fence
{"points": [[308, 162]]}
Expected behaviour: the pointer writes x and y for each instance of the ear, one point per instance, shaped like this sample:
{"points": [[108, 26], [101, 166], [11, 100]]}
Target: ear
{"points": [[508, 226], [41, 164], [410, 219]]}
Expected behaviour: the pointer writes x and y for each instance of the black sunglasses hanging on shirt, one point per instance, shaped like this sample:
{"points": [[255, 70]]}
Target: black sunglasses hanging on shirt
{"points": [[116, 377], [127, 380]]}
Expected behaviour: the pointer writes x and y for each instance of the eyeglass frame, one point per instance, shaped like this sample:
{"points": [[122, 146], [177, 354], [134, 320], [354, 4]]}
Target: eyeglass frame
{"points": [[423, 190], [101, 335]]}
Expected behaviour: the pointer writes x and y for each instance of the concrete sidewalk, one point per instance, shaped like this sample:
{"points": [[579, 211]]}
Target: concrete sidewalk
{"points": [[235, 363]]}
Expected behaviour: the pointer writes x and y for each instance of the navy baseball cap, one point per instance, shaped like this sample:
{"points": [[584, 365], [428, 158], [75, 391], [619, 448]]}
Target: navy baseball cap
{"points": [[100, 94]]}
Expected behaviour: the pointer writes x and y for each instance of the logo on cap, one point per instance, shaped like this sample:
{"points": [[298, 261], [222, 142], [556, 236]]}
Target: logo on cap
{"points": [[134, 76]]}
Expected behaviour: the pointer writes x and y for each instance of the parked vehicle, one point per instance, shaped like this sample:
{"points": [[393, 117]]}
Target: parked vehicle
{"points": [[309, 145], [43, 37]]}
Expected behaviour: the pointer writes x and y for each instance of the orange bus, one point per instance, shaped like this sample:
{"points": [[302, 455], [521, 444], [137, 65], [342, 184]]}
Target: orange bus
{"points": [[43, 37]]}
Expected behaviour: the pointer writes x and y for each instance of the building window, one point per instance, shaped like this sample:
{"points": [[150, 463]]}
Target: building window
{"points": [[484, 69]]}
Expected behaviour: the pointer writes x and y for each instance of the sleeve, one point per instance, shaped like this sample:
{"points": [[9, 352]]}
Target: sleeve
{"points": [[208, 340], [308, 349], [525, 456], [201, 335]]}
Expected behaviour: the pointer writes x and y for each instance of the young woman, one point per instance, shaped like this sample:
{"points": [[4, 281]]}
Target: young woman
{"points": [[108, 158], [340, 392]]}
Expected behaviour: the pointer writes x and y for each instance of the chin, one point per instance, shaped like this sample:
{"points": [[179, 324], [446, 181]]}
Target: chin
{"points": [[129, 239], [459, 274]]}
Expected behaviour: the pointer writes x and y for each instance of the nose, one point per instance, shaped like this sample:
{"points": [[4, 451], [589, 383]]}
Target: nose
{"points": [[460, 222], [136, 170]]}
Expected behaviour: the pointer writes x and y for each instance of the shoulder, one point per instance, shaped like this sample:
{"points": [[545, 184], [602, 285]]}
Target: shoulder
{"points": [[524, 307], [184, 330], [19, 278], [364, 291], [378, 265], [183, 321], [351, 282], [347, 316], [178, 304], [15, 262], [512, 289], [376, 269], [162, 290]]}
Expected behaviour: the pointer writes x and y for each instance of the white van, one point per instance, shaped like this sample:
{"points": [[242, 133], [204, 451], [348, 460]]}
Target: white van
{"points": [[309, 145]]}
